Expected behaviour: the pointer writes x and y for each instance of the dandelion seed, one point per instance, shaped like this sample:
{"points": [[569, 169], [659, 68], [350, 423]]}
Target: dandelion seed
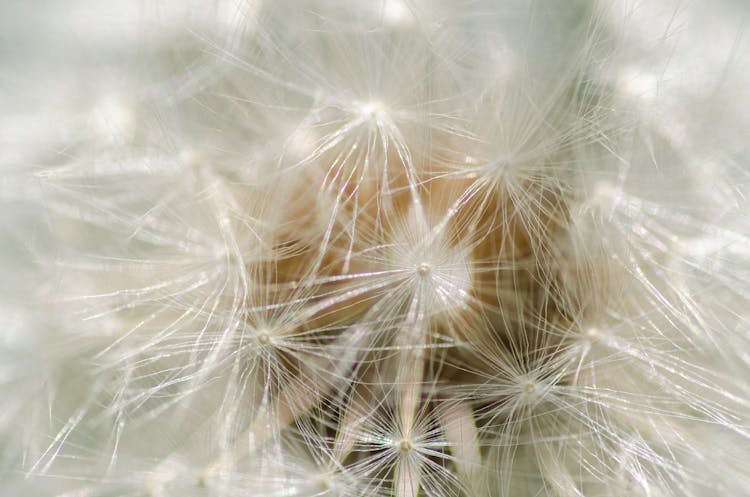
{"points": [[424, 269]]}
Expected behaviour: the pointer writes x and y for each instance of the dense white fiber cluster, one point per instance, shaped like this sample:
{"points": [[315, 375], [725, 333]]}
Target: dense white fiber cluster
{"points": [[374, 248]]}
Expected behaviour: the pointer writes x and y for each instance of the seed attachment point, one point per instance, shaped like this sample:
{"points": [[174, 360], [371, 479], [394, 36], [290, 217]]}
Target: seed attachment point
{"points": [[264, 337], [424, 269], [405, 446]]}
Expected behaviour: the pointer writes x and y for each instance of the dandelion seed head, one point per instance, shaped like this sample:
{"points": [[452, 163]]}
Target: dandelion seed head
{"points": [[375, 248], [529, 387], [264, 336], [424, 269], [327, 482], [405, 445], [604, 192], [531, 390], [592, 332], [373, 110]]}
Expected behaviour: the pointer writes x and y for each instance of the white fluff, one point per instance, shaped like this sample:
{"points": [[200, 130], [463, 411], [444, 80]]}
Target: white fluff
{"points": [[369, 248]]}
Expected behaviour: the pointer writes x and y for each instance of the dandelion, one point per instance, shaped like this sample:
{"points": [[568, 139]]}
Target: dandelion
{"points": [[387, 248]]}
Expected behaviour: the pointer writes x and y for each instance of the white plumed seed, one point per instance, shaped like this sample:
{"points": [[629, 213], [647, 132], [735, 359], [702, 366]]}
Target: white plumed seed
{"points": [[424, 269], [375, 248], [405, 445]]}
